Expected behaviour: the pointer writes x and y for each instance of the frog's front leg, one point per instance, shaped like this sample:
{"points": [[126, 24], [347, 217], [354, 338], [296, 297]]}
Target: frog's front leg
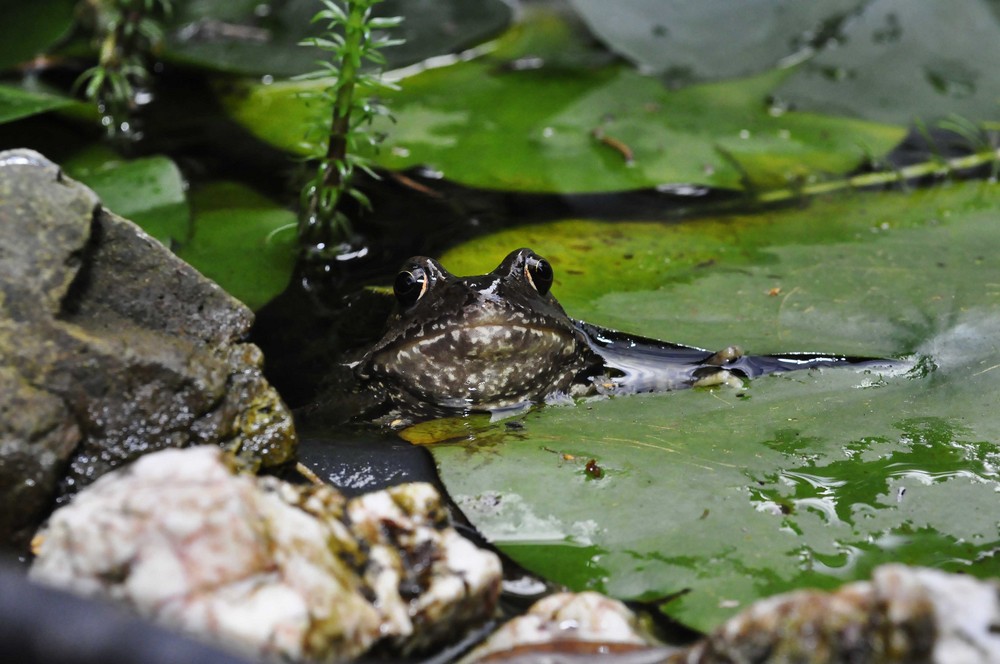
{"points": [[712, 371], [725, 356]]}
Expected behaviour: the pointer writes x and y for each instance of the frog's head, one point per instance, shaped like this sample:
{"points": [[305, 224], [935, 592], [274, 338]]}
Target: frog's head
{"points": [[477, 343]]}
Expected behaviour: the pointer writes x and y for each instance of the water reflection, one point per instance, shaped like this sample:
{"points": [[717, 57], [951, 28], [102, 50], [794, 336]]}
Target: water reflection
{"points": [[865, 499]]}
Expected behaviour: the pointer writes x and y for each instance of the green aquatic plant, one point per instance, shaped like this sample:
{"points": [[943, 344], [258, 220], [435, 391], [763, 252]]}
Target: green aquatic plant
{"points": [[354, 38], [125, 33]]}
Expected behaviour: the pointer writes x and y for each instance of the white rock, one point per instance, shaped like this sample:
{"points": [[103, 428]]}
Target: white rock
{"points": [[267, 567]]}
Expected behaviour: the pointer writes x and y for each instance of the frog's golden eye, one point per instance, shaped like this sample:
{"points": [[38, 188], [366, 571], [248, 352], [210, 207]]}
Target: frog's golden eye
{"points": [[410, 286], [539, 274]]}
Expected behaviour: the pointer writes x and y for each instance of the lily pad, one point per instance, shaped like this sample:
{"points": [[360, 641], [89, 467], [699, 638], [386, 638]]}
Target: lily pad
{"points": [[17, 103], [572, 128], [802, 479], [899, 60], [669, 37], [250, 37], [243, 241], [150, 191]]}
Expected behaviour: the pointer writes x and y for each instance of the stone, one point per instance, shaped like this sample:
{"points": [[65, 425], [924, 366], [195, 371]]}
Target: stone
{"points": [[903, 614], [567, 626], [110, 347], [291, 572]]}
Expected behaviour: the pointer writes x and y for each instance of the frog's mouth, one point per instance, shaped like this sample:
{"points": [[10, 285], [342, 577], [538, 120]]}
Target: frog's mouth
{"points": [[487, 365]]}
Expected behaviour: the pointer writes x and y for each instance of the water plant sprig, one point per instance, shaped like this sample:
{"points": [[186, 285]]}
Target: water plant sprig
{"points": [[125, 33], [353, 37]]}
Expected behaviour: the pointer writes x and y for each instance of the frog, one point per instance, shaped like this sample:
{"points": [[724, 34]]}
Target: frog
{"points": [[501, 342]]}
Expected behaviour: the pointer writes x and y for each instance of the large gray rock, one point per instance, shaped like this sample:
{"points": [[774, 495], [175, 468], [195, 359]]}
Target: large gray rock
{"points": [[110, 347]]}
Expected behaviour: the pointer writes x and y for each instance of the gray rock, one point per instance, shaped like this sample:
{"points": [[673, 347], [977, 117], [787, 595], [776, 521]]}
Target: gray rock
{"points": [[110, 347]]}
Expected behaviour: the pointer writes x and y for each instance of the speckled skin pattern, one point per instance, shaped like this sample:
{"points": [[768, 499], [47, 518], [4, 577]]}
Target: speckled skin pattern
{"points": [[478, 343]]}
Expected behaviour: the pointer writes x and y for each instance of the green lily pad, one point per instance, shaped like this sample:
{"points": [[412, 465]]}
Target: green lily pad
{"points": [[670, 36], [17, 103], [243, 241], [572, 128], [803, 479], [150, 191], [250, 37], [899, 60]]}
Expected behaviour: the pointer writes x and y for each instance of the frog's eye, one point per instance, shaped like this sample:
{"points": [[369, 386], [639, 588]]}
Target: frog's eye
{"points": [[410, 286], [539, 274]]}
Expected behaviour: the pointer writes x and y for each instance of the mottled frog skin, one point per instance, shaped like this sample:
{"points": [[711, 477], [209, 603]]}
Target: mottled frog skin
{"points": [[501, 341], [483, 343]]}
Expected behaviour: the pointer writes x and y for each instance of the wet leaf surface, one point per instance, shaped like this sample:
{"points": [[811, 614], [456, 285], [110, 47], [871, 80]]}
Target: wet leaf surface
{"points": [[243, 241], [804, 479], [546, 112], [149, 191], [902, 60]]}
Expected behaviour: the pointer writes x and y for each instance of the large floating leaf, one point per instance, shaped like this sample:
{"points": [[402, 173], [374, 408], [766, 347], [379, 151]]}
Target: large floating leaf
{"points": [[538, 114], [243, 241], [149, 191], [17, 103], [805, 479], [899, 60], [710, 39], [247, 36]]}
